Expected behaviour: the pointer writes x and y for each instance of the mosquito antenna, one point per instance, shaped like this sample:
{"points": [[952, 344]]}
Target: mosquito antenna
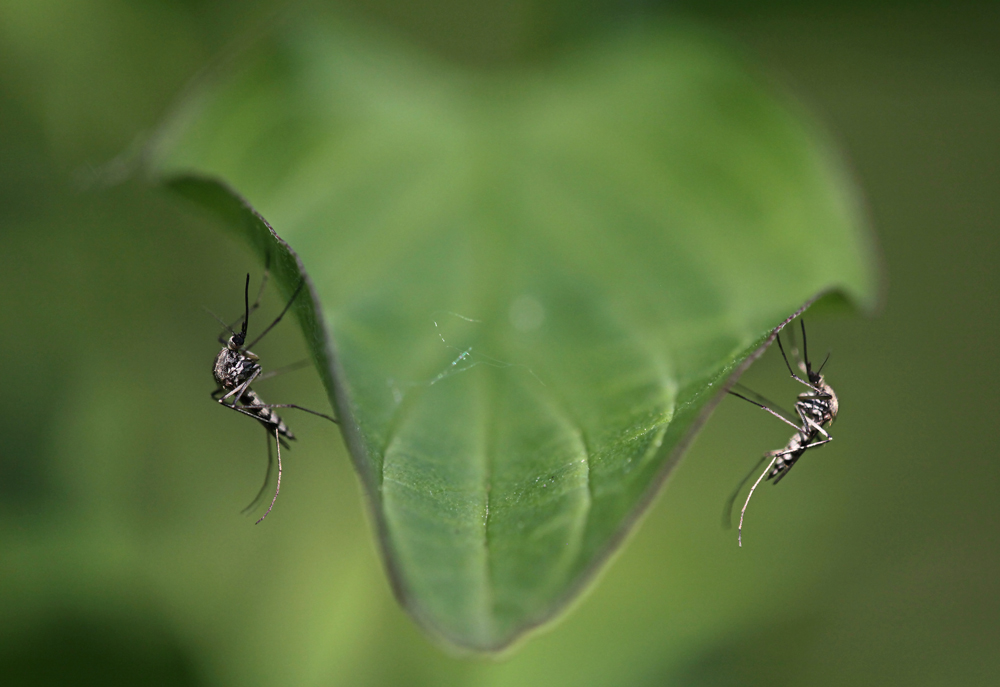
{"points": [[220, 321], [782, 349], [278, 318], [805, 348], [825, 360], [277, 443], [739, 535], [727, 510]]}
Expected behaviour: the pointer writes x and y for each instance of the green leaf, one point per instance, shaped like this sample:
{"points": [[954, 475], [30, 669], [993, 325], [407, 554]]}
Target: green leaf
{"points": [[528, 287]]}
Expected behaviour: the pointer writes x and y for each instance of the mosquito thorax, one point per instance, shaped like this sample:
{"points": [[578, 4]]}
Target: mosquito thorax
{"points": [[234, 367], [833, 403]]}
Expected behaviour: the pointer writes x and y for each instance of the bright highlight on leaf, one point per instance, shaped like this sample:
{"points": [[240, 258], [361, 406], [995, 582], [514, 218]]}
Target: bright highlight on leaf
{"points": [[527, 287]]}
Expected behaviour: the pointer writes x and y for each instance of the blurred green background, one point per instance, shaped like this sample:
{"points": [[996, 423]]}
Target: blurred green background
{"points": [[123, 558]]}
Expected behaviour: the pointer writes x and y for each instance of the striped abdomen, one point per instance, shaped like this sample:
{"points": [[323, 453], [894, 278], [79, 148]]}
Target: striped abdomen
{"points": [[253, 403], [795, 448]]}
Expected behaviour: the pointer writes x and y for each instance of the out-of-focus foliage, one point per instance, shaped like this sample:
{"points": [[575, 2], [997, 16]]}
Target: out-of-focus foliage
{"points": [[124, 558], [536, 280]]}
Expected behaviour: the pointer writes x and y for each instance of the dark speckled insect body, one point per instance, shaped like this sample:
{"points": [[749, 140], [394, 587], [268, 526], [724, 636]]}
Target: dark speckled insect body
{"points": [[234, 371], [236, 367], [816, 410]]}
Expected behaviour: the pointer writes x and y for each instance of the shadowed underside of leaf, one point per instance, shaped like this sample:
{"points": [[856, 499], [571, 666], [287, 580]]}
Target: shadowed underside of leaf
{"points": [[528, 287]]}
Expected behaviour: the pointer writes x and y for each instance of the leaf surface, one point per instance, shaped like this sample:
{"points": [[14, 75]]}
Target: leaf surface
{"points": [[527, 287]]}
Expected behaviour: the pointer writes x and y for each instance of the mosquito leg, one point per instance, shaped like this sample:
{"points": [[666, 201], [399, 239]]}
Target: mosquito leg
{"points": [[280, 315], [789, 366], [810, 424], [818, 443], [240, 390], [784, 452], [292, 405], [727, 511], [764, 407], [267, 475], [243, 410], [284, 370], [763, 400], [739, 535], [277, 489], [819, 429], [800, 451], [244, 386]]}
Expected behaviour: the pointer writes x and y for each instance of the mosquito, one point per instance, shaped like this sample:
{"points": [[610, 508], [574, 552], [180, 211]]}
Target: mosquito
{"points": [[816, 410], [236, 367]]}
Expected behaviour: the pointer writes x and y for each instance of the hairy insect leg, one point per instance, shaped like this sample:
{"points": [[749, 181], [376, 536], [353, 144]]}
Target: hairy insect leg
{"points": [[794, 350], [277, 443], [773, 455], [809, 425], [727, 510], [817, 428], [292, 405], [280, 315], [243, 410], [739, 535], [800, 450], [267, 475], [790, 370], [239, 391], [773, 412], [284, 369]]}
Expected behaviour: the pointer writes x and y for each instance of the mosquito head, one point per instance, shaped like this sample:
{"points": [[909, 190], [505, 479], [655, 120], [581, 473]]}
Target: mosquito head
{"points": [[816, 377]]}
